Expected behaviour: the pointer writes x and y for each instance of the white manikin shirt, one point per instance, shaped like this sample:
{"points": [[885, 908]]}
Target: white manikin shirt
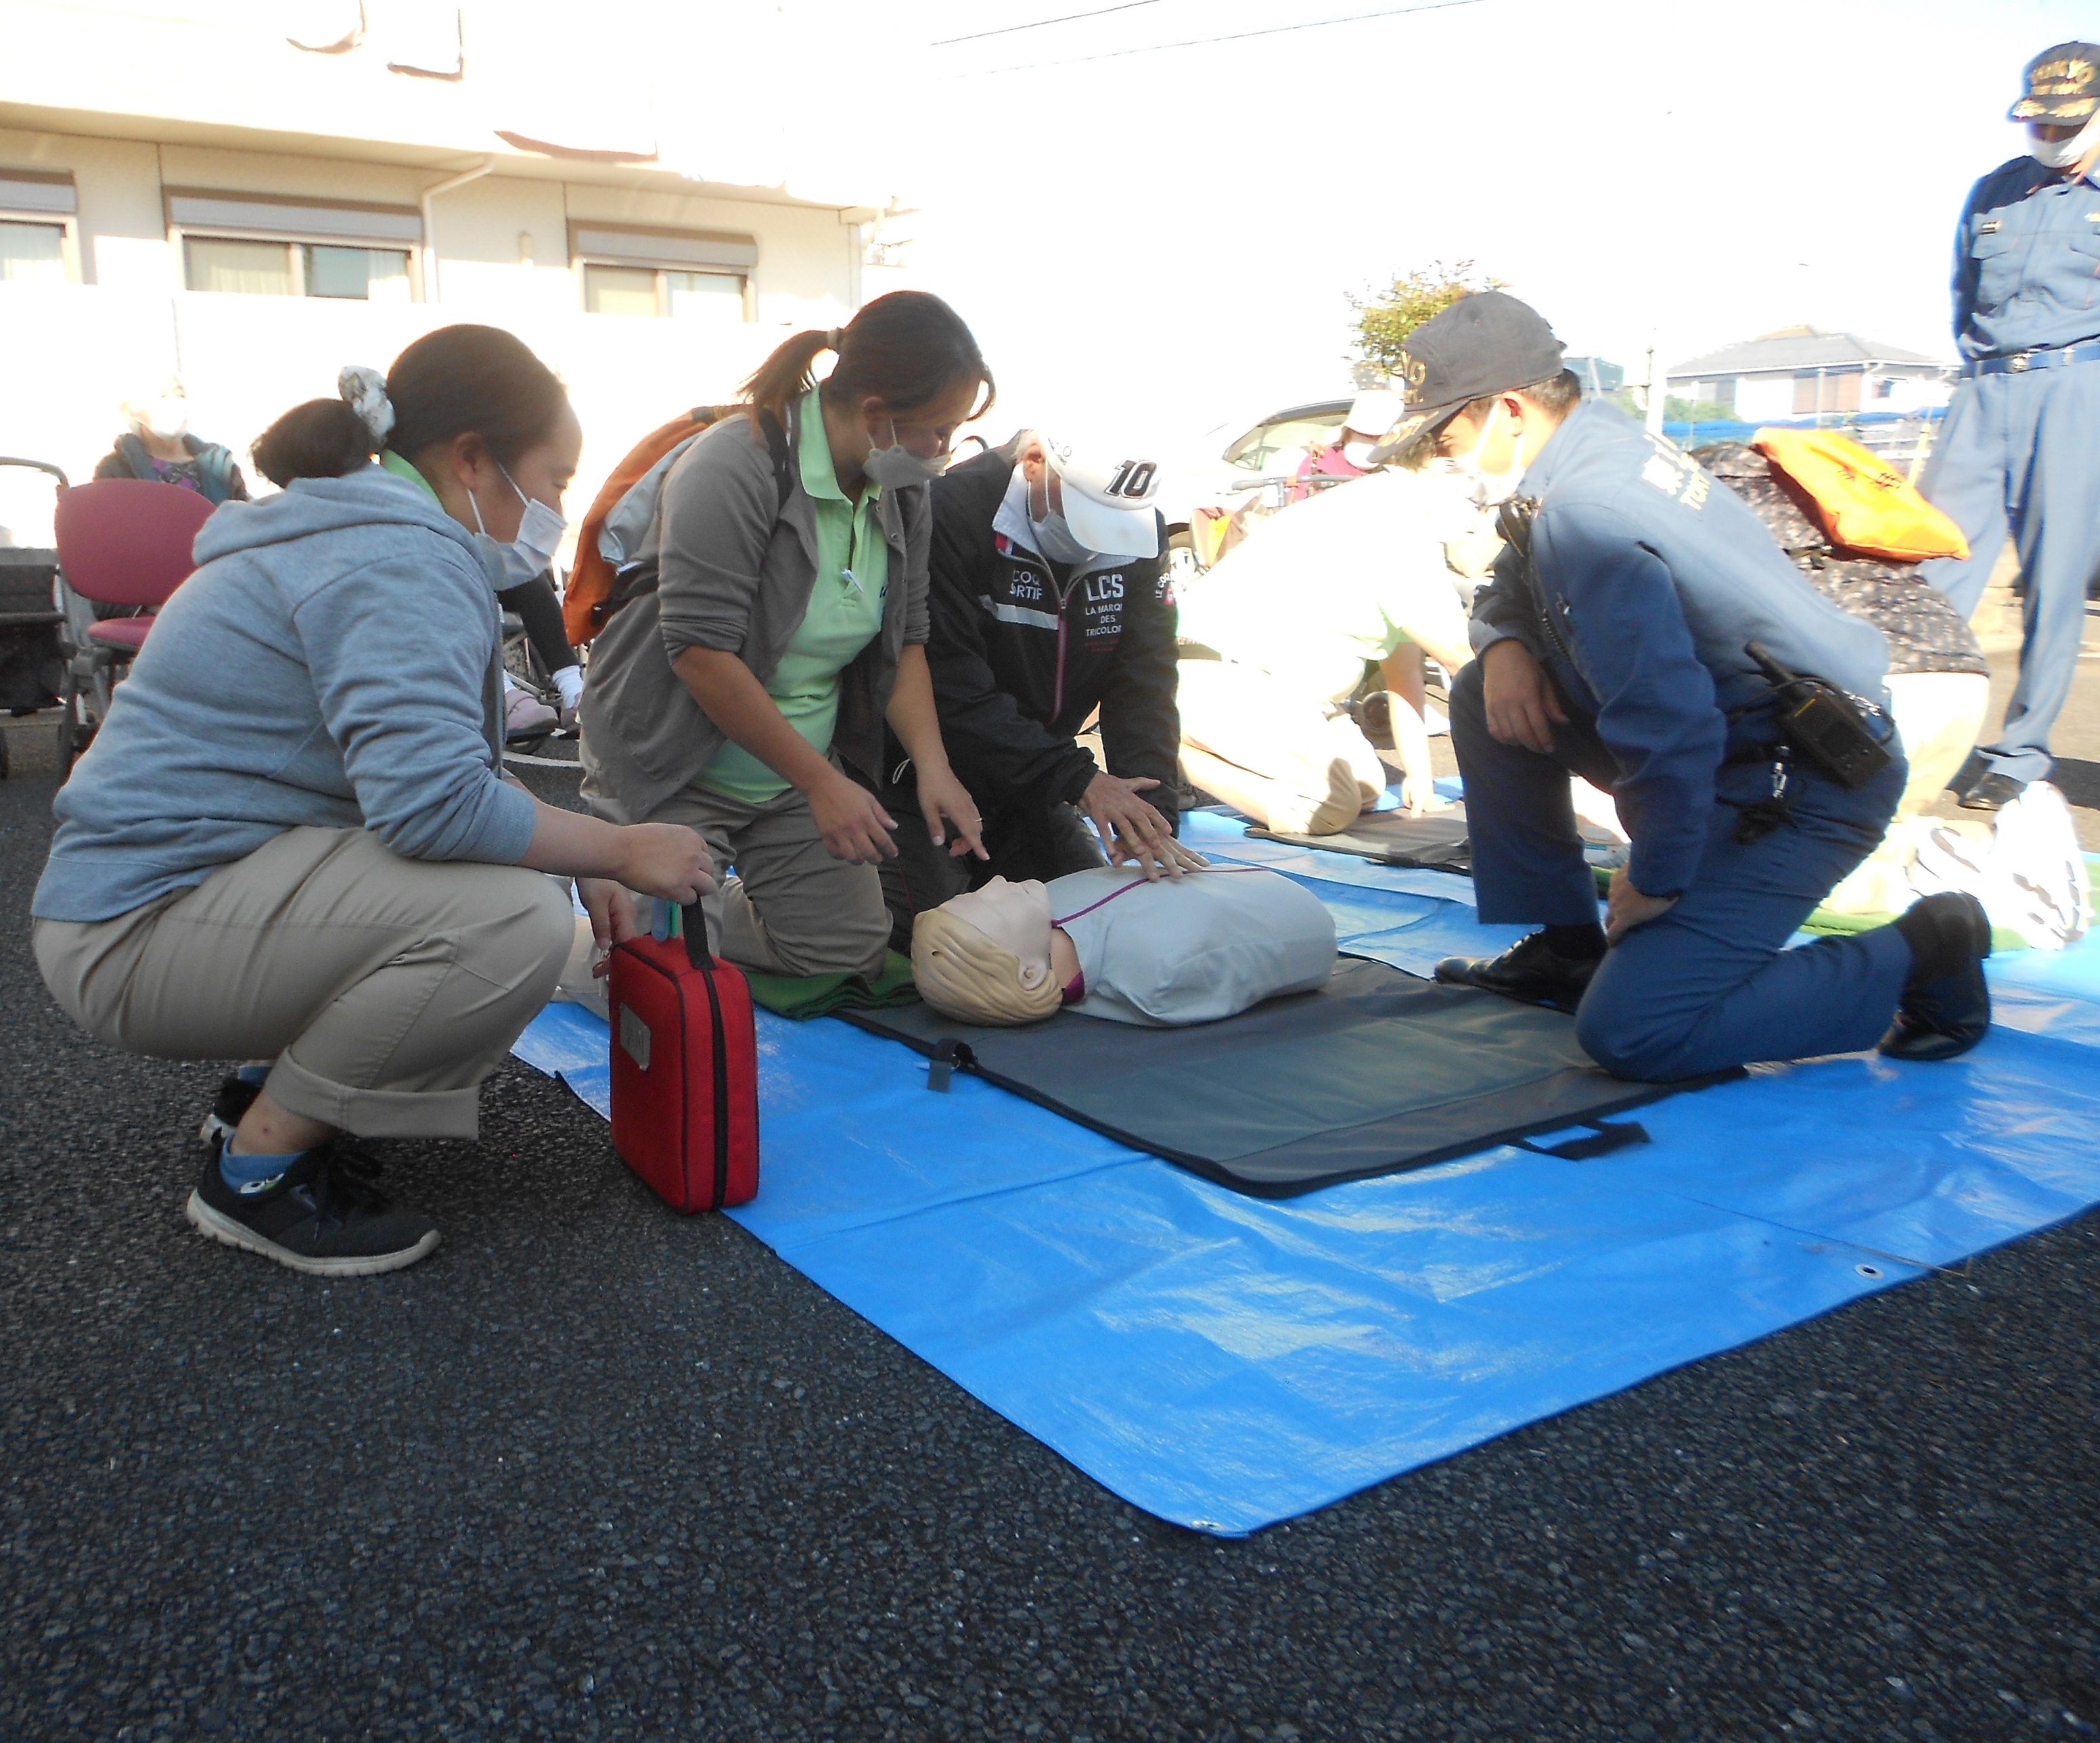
{"points": [[1191, 949]]}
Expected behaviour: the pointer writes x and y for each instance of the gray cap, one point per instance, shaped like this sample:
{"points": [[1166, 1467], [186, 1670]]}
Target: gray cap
{"points": [[1486, 343]]}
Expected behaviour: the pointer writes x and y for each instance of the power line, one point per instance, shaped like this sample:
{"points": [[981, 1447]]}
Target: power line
{"points": [[1238, 36], [1043, 24]]}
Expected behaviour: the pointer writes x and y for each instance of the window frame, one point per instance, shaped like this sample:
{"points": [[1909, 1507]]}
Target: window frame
{"points": [[293, 237], [22, 203], [649, 248]]}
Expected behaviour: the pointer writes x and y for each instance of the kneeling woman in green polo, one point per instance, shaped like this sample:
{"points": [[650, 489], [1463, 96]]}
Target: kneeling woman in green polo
{"points": [[788, 623]]}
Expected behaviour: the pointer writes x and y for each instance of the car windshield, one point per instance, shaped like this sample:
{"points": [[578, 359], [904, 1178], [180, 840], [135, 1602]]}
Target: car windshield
{"points": [[1292, 438]]}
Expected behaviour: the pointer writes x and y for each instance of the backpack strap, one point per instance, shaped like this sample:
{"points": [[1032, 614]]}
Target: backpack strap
{"points": [[637, 580]]}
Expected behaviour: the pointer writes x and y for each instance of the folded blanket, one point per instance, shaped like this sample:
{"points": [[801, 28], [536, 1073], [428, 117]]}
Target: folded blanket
{"points": [[802, 996]]}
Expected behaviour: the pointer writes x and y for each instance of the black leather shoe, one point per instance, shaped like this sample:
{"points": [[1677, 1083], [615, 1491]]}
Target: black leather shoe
{"points": [[1992, 792], [1531, 970], [1942, 1018]]}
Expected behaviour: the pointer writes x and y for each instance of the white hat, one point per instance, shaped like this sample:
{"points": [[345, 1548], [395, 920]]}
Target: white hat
{"points": [[1373, 412], [1109, 498]]}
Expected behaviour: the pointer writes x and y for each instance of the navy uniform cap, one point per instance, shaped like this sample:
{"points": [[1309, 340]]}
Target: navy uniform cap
{"points": [[1486, 343], [2064, 84]]}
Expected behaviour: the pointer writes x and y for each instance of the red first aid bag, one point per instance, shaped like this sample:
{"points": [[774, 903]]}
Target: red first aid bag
{"points": [[685, 1070]]}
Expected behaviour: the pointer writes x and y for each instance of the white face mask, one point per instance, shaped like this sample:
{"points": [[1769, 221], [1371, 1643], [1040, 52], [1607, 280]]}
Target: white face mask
{"points": [[2061, 154], [897, 468], [539, 531], [166, 418], [1015, 917], [1488, 487], [1053, 535], [1358, 454]]}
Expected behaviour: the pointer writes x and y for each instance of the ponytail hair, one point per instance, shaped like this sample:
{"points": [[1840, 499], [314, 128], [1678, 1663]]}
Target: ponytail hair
{"points": [[909, 350], [456, 381]]}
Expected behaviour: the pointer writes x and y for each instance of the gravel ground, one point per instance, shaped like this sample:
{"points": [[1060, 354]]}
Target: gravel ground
{"points": [[593, 1472]]}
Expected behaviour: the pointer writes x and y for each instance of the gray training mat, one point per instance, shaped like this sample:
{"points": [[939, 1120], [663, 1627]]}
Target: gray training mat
{"points": [[1378, 1071], [1435, 843]]}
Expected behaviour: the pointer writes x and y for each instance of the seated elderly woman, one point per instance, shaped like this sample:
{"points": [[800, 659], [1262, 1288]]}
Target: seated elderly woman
{"points": [[1110, 944]]}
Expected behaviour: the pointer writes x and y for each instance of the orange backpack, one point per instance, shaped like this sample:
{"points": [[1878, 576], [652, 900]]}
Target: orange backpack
{"points": [[591, 596], [1863, 504]]}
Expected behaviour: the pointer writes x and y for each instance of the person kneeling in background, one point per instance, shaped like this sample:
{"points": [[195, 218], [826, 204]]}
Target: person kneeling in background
{"points": [[291, 841]]}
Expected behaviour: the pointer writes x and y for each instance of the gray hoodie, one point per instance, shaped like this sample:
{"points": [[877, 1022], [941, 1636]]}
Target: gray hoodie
{"points": [[332, 661]]}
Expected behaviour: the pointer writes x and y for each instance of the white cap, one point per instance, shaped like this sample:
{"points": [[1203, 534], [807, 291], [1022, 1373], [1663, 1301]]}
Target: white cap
{"points": [[1373, 412], [1109, 498]]}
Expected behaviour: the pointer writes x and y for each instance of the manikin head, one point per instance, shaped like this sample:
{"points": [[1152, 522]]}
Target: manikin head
{"points": [[984, 957]]}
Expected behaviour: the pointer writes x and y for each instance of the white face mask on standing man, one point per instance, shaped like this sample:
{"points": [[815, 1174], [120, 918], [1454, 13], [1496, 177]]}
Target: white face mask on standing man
{"points": [[1489, 488]]}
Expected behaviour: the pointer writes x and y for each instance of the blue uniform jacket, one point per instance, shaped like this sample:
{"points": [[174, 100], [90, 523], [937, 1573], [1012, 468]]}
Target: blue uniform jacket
{"points": [[2027, 261], [1654, 577]]}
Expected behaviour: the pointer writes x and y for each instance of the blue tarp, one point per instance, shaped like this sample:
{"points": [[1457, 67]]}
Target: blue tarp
{"points": [[1225, 1363]]}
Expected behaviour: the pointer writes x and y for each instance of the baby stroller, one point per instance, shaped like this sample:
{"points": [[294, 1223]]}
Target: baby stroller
{"points": [[33, 657]]}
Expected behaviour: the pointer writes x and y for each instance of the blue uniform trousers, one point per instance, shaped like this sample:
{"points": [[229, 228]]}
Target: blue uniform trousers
{"points": [[2023, 451], [1710, 985]]}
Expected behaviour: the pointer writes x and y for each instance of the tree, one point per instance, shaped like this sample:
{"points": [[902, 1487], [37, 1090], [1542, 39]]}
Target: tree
{"points": [[1384, 321]]}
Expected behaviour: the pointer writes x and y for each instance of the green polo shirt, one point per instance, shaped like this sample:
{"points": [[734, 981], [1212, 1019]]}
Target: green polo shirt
{"points": [[844, 615]]}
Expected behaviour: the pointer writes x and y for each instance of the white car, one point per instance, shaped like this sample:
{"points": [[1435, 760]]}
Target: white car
{"points": [[1254, 468]]}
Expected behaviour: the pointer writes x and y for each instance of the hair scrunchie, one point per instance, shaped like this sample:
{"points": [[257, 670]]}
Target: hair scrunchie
{"points": [[363, 390], [835, 338]]}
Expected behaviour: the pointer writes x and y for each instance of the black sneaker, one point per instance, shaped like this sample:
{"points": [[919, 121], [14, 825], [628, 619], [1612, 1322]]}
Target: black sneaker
{"points": [[229, 1107], [1530, 971], [324, 1215]]}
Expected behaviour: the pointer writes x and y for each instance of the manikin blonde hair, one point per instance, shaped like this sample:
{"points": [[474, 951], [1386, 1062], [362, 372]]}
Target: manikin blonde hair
{"points": [[962, 974]]}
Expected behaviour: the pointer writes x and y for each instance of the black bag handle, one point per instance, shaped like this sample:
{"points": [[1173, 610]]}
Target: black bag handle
{"points": [[693, 922], [1605, 1137]]}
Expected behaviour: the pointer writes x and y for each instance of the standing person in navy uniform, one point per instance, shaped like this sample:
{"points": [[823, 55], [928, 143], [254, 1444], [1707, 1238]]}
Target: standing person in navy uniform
{"points": [[1613, 644], [1049, 601], [2021, 444]]}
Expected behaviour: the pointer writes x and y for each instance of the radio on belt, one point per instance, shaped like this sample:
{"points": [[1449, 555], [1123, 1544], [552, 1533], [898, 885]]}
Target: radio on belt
{"points": [[1824, 725]]}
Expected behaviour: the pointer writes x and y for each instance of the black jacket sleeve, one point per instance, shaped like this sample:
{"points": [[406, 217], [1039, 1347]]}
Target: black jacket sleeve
{"points": [[998, 751], [1140, 724]]}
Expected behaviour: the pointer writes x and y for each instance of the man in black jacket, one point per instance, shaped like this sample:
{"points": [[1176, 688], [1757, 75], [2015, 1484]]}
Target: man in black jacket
{"points": [[1049, 599]]}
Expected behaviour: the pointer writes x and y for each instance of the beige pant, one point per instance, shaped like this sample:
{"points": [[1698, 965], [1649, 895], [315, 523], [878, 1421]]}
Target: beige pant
{"points": [[1939, 713], [1271, 753], [384, 989], [792, 909]]}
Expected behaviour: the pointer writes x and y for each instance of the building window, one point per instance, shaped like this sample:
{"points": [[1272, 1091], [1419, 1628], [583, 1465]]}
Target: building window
{"points": [[258, 268], [36, 241], [684, 276], [1816, 393], [31, 253], [269, 246]]}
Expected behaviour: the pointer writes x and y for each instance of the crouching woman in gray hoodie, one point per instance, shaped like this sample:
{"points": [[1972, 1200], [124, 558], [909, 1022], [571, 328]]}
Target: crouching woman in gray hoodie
{"points": [[292, 841]]}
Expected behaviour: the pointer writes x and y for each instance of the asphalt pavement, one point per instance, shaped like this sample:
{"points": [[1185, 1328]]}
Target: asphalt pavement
{"points": [[594, 1471]]}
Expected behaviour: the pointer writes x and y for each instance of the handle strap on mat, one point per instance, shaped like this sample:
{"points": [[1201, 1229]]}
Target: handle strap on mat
{"points": [[948, 1054], [1605, 1136]]}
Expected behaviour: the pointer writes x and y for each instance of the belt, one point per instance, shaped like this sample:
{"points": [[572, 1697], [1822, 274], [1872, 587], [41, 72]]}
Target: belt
{"points": [[2042, 357]]}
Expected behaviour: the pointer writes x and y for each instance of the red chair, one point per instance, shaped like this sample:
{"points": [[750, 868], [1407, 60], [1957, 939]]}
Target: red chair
{"points": [[123, 543]]}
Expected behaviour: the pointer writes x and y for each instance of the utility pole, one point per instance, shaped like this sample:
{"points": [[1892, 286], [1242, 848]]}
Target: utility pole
{"points": [[1656, 391]]}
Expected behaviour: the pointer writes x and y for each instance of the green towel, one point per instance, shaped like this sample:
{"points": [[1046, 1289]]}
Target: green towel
{"points": [[800, 996]]}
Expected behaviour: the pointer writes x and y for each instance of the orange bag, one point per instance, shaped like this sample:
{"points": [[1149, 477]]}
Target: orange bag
{"points": [[1865, 506], [586, 602]]}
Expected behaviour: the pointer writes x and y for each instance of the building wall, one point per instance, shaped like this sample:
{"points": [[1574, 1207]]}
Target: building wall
{"points": [[69, 354]]}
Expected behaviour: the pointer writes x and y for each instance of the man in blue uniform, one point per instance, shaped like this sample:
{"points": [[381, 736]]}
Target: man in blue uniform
{"points": [[1612, 643], [2021, 440]]}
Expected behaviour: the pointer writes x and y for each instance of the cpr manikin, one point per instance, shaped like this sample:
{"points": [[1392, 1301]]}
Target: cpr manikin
{"points": [[1111, 944]]}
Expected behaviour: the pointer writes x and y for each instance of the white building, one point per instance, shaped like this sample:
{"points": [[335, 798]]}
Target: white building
{"points": [[252, 193], [1804, 371]]}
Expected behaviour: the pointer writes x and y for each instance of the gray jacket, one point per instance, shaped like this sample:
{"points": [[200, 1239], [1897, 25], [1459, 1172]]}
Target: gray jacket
{"points": [[333, 661], [736, 564]]}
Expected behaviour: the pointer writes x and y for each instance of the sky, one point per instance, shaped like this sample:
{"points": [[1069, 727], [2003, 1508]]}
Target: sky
{"points": [[1150, 243]]}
